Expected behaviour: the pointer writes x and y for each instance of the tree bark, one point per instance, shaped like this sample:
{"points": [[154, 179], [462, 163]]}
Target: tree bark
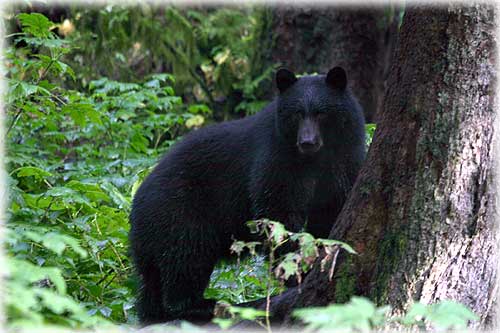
{"points": [[421, 214], [309, 40]]}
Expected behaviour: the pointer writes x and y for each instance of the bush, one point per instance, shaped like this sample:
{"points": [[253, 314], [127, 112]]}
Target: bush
{"points": [[73, 161]]}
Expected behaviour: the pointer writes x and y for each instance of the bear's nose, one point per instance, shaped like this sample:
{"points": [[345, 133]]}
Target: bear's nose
{"points": [[309, 136], [309, 146]]}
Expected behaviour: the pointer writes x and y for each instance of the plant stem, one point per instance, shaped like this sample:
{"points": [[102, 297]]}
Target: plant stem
{"points": [[14, 121], [19, 110], [268, 291]]}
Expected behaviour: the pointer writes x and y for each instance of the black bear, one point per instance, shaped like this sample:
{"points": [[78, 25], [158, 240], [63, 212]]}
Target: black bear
{"points": [[294, 162]]}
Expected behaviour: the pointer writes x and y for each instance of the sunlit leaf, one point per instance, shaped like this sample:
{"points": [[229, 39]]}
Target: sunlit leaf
{"points": [[33, 171], [36, 24]]}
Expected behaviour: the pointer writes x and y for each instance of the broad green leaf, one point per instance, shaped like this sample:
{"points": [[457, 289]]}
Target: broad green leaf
{"points": [[289, 265], [139, 142], [26, 273], [64, 69], [278, 231], [247, 313], [92, 191], [118, 198], [448, 314], [60, 191], [307, 243], [78, 112], [33, 171], [19, 91], [57, 303], [36, 24], [58, 242], [224, 324], [330, 242]]}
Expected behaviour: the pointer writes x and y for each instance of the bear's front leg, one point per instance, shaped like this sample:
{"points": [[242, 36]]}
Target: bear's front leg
{"points": [[185, 267]]}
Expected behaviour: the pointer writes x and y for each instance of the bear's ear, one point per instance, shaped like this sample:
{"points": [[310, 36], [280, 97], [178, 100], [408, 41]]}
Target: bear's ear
{"points": [[284, 79], [337, 78]]}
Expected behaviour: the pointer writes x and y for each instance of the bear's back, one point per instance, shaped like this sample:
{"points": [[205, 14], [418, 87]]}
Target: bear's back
{"points": [[209, 167]]}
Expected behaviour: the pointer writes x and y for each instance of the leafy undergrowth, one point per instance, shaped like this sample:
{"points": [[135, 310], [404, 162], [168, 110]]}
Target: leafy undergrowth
{"points": [[240, 282], [74, 159]]}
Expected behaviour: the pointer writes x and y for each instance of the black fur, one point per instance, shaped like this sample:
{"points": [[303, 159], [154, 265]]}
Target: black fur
{"points": [[293, 162]]}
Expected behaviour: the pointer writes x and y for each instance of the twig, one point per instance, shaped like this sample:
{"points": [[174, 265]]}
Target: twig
{"points": [[268, 291], [111, 246], [19, 110], [108, 273], [334, 262], [14, 121]]}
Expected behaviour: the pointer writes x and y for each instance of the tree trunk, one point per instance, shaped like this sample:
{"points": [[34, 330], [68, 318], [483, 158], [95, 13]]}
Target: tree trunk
{"points": [[311, 40], [421, 214]]}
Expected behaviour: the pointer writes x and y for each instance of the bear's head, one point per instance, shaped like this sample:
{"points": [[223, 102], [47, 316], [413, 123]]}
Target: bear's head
{"points": [[318, 113]]}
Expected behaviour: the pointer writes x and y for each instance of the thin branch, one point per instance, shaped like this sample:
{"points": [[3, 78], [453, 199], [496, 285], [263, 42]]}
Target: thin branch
{"points": [[334, 262], [14, 121]]}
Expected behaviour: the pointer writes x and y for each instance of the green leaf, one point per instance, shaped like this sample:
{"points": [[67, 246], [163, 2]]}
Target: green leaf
{"points": [[64, 69], [307, 243], [359, 315], [442, 315], [369, 130], [79, 112], [152, 84], [57, 303], [363, 305], [331, 242], [163, 77], [38, 173], [139, 142], [19, 91], [278, 231], [199, 108], [78, 117], [289, 265], [60, 191], [58, 242], [417, 312], [117, 197], [26, 273], [36, 24], [92, 191], [448, 314], [247, 313], [224, 324]]}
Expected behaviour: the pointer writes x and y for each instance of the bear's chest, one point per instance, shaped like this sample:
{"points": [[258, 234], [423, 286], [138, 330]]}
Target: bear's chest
{"points": [[308, 186], [319, 188]]}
